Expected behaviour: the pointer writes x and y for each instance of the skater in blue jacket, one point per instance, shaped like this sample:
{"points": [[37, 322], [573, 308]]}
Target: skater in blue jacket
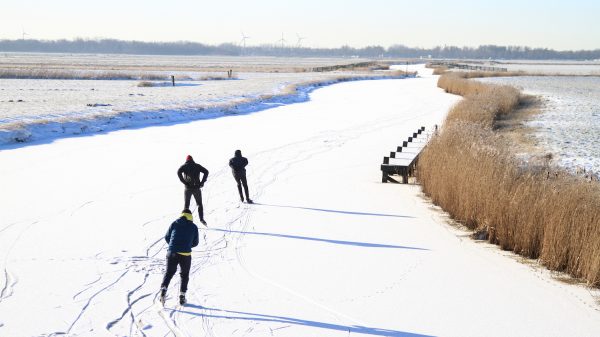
{"points": [[181, 237]]}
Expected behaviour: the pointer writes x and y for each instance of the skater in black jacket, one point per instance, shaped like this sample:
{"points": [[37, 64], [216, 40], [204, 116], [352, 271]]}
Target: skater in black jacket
{"points": [[238, 168], [189, 175], [181, 237]]}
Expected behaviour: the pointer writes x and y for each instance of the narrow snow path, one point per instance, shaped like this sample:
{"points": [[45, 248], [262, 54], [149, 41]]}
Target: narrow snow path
{"points": [[327, 250]]}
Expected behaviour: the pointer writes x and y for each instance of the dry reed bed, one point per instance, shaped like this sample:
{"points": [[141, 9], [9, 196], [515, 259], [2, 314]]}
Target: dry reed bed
{"points": [[472, 174], [50, 74], [67, 74]]}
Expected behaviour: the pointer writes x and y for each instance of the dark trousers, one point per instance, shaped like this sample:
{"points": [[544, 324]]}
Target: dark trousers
{"points": [[241, 180], [184, 262], [187, 196]]}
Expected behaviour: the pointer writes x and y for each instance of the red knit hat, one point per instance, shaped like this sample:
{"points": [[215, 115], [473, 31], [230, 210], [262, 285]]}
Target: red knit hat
{"points": [[188, 158]]}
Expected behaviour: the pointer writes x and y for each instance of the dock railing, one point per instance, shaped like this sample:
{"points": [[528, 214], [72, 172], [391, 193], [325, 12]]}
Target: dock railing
{"points": [[403, 160]]}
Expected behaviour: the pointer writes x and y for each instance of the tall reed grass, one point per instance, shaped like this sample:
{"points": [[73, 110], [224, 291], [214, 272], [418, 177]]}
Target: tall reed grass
{"points": [[534, 210]]}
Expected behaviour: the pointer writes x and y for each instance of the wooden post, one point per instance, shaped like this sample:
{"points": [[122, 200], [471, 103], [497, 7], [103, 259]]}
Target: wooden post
{"points": [[173, 79], [392, 154], [404, 144], [386, 160], [409, 139], [399, 149]]}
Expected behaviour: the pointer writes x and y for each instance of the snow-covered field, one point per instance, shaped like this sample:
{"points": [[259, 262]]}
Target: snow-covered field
{"points": [[552, 67], [161, 62], [34, 109], [327, 250], [569, 125]]}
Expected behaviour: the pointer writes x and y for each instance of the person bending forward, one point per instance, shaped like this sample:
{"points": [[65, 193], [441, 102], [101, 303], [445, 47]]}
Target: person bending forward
{"points": [[181, 237]]}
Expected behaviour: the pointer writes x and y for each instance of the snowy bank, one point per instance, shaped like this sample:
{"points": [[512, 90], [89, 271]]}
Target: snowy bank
{"points": [[569, 123], [37, 129]]}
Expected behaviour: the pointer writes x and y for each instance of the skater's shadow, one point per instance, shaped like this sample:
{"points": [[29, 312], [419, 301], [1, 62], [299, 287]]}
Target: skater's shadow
{"points": [[338, 242], [337, 211], [196, 310]]}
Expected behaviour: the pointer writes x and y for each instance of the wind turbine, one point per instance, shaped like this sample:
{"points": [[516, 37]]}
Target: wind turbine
{"points": [[300, 38], [24, 34], [243, 40], [282, 40]]}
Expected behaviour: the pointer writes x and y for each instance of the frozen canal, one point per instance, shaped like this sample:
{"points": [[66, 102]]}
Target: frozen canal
{"points": [[326, 250]]}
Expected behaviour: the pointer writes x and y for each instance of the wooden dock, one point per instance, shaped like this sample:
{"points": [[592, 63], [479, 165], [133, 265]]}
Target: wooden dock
{"points": [[403, 160]]}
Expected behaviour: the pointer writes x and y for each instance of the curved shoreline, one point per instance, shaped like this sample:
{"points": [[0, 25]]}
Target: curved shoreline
{"points": [[23, 133], [532, 209]]}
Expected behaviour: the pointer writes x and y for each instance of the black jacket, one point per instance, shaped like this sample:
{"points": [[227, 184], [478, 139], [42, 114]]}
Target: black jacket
{"points": [[182, 236], [189, 174], [238, 165]]}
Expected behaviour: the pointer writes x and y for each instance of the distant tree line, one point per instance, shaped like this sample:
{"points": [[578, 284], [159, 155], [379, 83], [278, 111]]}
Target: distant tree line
{"points": [[111, 46]]}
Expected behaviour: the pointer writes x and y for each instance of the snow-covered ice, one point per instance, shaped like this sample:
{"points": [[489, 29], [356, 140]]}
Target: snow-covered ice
{"points": [[327, 250]]}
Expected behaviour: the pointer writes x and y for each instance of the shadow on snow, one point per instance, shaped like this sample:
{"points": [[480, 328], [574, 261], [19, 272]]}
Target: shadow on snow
{"points": [[245, 316], [337, 211], [337, 242]]}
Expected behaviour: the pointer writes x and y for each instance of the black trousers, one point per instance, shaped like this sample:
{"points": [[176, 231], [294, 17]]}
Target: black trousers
{"points": [[184, 263], [241, 180], [187, 196]]}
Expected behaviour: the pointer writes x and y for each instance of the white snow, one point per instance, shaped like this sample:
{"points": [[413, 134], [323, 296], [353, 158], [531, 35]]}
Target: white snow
{"points": [[327, 250], [34, 109], [546, 67], [552, 67], [569, 125]]}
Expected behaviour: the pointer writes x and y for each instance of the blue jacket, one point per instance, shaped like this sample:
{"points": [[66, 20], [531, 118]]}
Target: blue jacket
{"points": [[182, 236]]}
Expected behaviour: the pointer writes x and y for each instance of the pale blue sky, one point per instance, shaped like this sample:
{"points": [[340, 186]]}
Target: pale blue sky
{"points": [[553, 24]]}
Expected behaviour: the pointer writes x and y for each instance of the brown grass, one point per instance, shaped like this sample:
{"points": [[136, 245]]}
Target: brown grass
{"points": [[146, 84], [65, 74], [217, 77], [479, 74], [531, 209], [439, 70], [513, 127], [51, 74]]}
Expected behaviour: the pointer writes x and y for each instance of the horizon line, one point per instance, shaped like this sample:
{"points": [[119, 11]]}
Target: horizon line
{"points": [[444, 46]]}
